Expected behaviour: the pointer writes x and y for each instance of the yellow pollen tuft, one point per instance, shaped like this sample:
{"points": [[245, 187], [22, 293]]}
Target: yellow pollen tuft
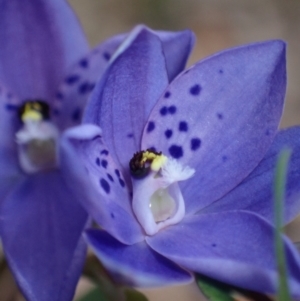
{"points": [[32, 111], [157, 160]]}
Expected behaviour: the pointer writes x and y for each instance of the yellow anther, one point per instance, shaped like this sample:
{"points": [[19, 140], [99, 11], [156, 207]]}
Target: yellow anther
{"points": [[32, 112], [158, 162]]}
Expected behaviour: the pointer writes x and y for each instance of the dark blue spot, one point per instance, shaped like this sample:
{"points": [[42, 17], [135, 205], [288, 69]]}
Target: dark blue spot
{"points": [[117, 173], [172, 110], [130, 135], [268, 132], [221, 71], [59, 95], [195, 143], [106, 56], [84, 63], [187, 71], [76, 114], [220, 116], [72, 79], [150, 127], [84, 88], [122, 183], [56, 111], [11, 107], [112, 215], [104, 152], [183, 126], [168, 133], [224, 158], [104, 184], [110, 177], [195, 90], [98, 161], [104, 163], [167, 94], [163, 111], [152, 148], [176, 151], [213, 245]]}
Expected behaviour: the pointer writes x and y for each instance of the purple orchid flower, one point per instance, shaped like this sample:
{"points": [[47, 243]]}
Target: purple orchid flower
{"points": [[46, 76], [182, 171]]}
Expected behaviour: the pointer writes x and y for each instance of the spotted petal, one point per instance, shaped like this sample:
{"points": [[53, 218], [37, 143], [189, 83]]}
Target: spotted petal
{"points": [[234, 247], [39, 40], [9, 168], [88, 167], [41, 225], [73, 93], [81, 78], [220, 118], [135, 265], [255, 193], [123, 100]]}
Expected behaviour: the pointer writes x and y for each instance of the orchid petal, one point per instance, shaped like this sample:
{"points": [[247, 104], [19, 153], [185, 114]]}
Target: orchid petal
{"points": [[41, 225], [177, 48], [39, 40], [220, 118], [73, 93], [9, 123], [235, 247], [123, 100], [255, 193], [136, 265], [99, 184], [81, 78]]}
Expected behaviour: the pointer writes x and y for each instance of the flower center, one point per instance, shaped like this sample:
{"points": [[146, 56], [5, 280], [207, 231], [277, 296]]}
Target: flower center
{"points": [[37, 138], [157, 200]]}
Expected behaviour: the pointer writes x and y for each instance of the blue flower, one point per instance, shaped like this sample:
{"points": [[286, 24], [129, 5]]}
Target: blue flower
{"points": [[182, 171], [46, 75]]}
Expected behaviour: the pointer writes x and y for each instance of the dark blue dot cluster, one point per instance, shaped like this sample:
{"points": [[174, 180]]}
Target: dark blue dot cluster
{"points": [[195, 90], [220, 116], [122, 183], [195, 144], [110, 177], [104, 152], [106, 56], [97, 161], [176, 151], [84, 63], [165, 110], [117, 172], [104, 163], [221, 71], [268, 132], [112, 215], [104, 184], [72, 79], [76, 115], [167, 94], [150, 127], [168, 133], [85, 87], [130, 135], [183, 126], [11, 107]]}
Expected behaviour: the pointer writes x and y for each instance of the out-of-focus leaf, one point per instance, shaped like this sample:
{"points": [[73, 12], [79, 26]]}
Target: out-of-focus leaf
{"points": [[94, 295], [215, 290], [133, 295], [279, 193]]}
